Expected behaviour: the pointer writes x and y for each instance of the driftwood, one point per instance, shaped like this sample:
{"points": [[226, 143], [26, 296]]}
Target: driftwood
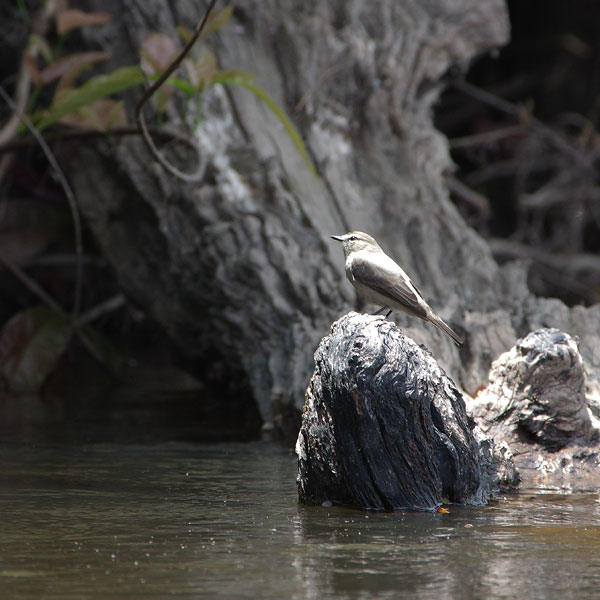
{"points": [[240, 266], [385, 428], [536, 404]]}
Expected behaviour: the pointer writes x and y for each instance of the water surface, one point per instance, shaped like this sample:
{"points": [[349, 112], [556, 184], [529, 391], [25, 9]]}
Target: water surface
{"points": [[177, 520]]}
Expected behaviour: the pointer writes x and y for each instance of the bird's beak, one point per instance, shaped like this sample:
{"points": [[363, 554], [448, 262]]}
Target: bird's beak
{"points": [[339, 238]]}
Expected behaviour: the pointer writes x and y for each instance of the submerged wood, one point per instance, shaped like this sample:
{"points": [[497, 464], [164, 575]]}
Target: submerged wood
{"points": [[384, 427]]}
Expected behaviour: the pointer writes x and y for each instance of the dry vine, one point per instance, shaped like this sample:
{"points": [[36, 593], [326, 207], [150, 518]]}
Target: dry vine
{"points": [[139, 115]]}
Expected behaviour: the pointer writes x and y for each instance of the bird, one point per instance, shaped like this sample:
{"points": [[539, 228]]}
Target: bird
{"points": [[380, 280]]}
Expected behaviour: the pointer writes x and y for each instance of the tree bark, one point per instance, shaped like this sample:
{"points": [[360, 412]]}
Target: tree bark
{"points": [[241, 264]]}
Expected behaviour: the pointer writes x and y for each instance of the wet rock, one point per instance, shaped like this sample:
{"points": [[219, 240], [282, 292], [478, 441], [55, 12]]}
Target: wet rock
{"points": [[385, 428], [536, 404]]}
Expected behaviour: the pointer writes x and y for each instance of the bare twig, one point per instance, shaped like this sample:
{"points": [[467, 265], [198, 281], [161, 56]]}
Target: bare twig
{"points": [[31, 284], [9, 130], [563, 270], [113, 303], [508, 168], [139, 115], [560, 190], [478, 201], [23, 83], [571, 263], [523, 116], [68, 193], [23, 86], [487, 137], [51, 137], [63, 259], [76, 324]]}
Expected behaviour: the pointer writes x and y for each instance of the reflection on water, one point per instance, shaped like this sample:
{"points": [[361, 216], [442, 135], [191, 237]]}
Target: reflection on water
{"points": [[222, 521]]}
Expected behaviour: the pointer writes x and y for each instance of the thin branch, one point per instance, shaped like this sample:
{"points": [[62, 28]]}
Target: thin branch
{"points": [[570, 263], [22, 86], [9, 130], [97, 311], [487, 137], [560, 190], [523, 116], [23, 83], [509, 168], [139, 115], [560, 270], [68, 193], [63, 259], [31, 284], [76, 324], [478, 201], [51, 137]]}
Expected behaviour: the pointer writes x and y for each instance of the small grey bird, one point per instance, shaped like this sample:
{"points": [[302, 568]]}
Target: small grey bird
{"points": [[378, 279]]}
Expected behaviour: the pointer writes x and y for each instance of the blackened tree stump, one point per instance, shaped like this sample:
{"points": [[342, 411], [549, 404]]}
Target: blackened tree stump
{"points": [[383, 426]]}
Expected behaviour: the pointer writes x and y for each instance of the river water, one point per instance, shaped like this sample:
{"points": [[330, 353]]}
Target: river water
{"points": [[179, 520]]}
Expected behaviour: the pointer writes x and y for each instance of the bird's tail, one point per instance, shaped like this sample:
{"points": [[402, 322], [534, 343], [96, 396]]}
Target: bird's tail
{"points": [[433, 318]]}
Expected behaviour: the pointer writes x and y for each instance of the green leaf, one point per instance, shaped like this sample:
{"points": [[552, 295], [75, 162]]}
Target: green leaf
{"points": [[217, 20], [30, 345], [73, 99], [278, 112], [41, 45], [184, 33], [233, 76], [102, 116], [183, 85], [200, 71], [96, 88]]}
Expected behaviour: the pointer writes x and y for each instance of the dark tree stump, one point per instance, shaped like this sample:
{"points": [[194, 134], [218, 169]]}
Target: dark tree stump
{"points": [[383, 426]]}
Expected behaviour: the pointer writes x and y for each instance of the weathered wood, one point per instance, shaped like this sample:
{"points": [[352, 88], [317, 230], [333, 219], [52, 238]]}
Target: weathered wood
{"points": [[536, 403], [241, 265], [384, 427]]}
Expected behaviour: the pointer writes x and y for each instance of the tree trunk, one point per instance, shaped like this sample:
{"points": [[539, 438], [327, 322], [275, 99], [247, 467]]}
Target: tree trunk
{"points": [[241, 264]]}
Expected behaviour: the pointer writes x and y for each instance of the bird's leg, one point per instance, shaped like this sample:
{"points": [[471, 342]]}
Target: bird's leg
{"points": [[382, 309]]}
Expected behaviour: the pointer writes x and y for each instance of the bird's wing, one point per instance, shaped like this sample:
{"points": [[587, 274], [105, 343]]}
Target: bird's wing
{"points": [[390, 282]]}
